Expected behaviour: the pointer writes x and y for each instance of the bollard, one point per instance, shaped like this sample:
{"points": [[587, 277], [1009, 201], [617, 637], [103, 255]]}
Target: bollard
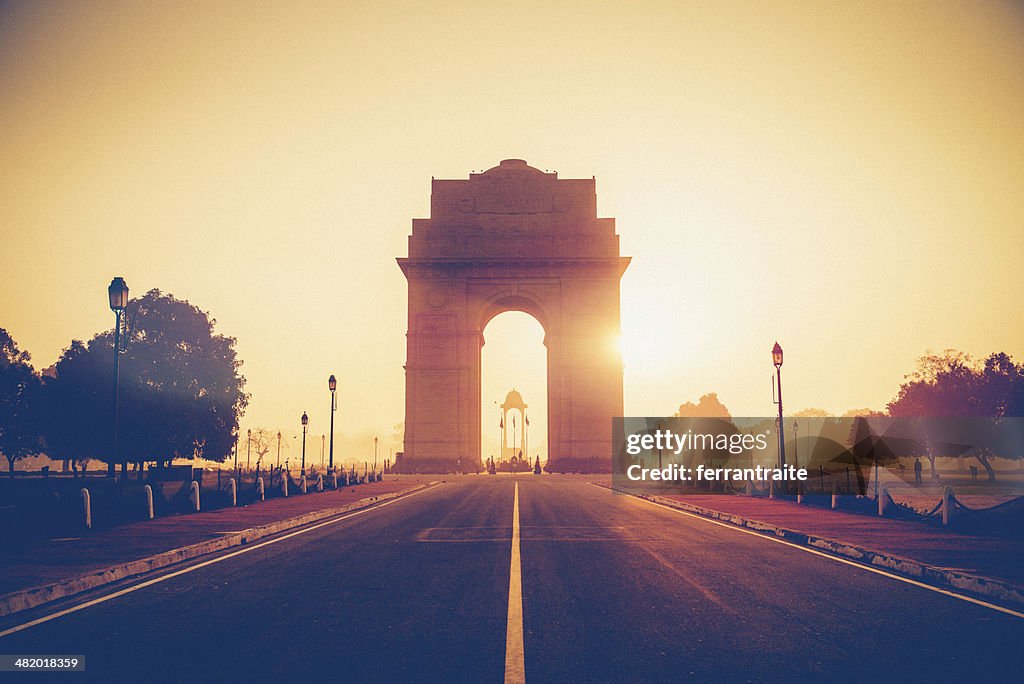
{"points": [[193, 496], [750, 488], [835, 497], [148, 491], [771, 489], [334, 481], [799, 493], [259, 488], [947, 504], [233, 491], [320, 482], [284, 485], [302, 483], [883, 496], [86, 508]]}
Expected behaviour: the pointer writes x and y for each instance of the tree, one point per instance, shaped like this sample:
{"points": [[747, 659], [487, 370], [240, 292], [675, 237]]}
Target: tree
{"points": [[856, 413], [952, 384], [812, 413], [19, 391], [180, 390], [261, 441], [708, 406]]}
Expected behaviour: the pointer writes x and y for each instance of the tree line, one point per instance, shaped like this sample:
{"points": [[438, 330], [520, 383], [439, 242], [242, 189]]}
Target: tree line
{"points": [[949, 384], [181, 392]]}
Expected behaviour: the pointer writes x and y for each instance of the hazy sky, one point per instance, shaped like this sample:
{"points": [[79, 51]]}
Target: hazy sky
{"points": [[847, 178]]}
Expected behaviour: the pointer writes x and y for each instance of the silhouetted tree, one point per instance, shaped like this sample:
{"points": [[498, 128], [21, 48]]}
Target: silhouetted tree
{"points": [[262, 442], [951, 384], [812, 413], [19, 392], [708, 406], [180, 390]]}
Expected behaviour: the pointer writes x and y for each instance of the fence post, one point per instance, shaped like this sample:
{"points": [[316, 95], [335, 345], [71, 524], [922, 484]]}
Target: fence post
{"points": [[320, 482], [259, 488], [883, 496], [302, 483], [284, 485], [193, 496], [947, 504], [86, 508], [334, 481], [148, 491], [233, 491], [835, 496]]}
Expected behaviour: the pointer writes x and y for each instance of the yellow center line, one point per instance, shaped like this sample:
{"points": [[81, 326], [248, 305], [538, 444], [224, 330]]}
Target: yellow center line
{"points": [[515, 668]]}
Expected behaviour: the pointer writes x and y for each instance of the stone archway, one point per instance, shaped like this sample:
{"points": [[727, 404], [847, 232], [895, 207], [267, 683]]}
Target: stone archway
{"points": [[512, 238]]}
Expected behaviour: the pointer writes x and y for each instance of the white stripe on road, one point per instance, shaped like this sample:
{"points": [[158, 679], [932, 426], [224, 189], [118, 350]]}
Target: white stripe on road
{"points": [[979, 602], [193, 568], [515, 667]]}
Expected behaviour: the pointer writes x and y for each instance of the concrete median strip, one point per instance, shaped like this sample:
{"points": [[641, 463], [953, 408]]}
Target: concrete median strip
{"points": [[25, 599], [1005, 592]]}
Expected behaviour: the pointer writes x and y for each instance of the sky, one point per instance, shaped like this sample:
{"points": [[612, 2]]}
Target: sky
{"points": [[845, 178]]}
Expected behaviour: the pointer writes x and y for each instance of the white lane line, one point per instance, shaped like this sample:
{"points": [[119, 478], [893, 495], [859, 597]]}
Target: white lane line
{"points": [[193, 568], [515, 653], [877, 571]]}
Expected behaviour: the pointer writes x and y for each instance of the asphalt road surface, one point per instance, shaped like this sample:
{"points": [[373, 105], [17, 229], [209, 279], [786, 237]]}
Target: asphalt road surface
{"points": [[613, 589]]}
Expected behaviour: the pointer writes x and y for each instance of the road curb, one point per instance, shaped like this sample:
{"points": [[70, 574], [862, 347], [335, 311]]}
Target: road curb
{"points": [[999, 590], [24, 599]]}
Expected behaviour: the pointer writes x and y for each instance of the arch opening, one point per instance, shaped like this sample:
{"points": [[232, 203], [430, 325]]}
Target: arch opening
{"points": [[513, 390]]}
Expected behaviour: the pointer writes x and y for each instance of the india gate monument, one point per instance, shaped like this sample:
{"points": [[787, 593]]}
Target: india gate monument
{"points": [[513, 238]]}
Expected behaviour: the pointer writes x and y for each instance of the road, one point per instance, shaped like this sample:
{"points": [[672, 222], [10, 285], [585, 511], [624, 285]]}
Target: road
{"points": [[613, 589]]}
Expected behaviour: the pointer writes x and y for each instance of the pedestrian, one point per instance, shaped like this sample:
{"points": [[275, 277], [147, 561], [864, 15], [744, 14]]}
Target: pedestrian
{"points": [[917, 470]]}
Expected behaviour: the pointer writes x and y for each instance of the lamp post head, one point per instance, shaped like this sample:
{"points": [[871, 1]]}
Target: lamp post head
{"points": [[777, 355], [248, 433], [305, 419], [279, 435], [332, 383], [118, 294]]}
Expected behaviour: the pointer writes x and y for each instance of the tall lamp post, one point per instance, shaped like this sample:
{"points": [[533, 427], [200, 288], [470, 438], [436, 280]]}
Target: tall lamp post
{"points": [[332, 384], [279, 449], [777, 360], [305, 423], [248, 449], [796, 446], [117, 292]]}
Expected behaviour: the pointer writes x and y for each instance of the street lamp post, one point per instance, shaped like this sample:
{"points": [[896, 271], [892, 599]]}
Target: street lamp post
{"points": [[660, 466], [248, 449], [777, 360], [332, 384], [796, 448], [374, 454], [279, 449], [305, 423], [323, 444], [117, 293]]}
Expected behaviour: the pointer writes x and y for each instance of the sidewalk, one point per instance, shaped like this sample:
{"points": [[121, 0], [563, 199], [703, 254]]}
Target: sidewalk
{"points": [[147, 545], [989, 566]]}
